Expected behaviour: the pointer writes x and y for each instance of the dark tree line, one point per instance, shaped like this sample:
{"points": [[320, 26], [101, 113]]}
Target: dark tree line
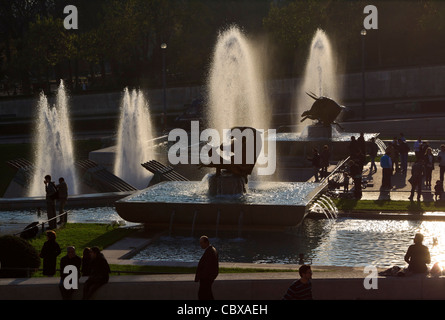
{"points": [[118, 42]]}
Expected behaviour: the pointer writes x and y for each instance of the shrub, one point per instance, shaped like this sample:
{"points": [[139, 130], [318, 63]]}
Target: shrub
{"points": [[16, 252]]}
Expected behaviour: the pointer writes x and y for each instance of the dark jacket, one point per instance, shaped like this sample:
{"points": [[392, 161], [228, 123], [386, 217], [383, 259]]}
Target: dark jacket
{"points": [[66, 261], [50, 190], [49, 253], [100, 269], [63, 190], [208, 266]]}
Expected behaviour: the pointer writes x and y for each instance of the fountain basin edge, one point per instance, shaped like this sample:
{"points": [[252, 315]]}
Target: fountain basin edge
{"points": [[220, 213]]}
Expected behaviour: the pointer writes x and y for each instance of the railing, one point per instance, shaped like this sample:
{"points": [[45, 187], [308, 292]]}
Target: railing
{"points": [[42, 224]]}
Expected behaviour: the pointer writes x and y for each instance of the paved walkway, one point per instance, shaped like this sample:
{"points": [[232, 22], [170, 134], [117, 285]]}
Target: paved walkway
{"points": [[401, 188]]}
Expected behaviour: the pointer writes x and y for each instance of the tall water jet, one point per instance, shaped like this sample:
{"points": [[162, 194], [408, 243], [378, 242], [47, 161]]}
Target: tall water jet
{"points": [[236, 90], [320, 73], [135, 135], [53, 142]]}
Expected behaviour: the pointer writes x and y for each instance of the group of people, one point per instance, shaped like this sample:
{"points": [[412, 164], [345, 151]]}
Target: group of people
{"points": [[320, 162], [421, 170], [55, 193], [93, 265]]}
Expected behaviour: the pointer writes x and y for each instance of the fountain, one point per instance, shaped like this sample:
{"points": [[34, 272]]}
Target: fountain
{"points": [[135, 139], [54, 144], [316, 100], [229, 197]]}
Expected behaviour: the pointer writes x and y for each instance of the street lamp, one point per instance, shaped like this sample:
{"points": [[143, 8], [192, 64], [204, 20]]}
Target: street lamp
{"points": [[164, 80], [363, 33]]}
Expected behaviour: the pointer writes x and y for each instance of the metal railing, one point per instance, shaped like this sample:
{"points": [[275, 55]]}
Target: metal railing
{"points": [[42, 224]]}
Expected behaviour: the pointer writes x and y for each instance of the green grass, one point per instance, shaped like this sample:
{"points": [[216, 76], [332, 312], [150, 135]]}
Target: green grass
{"points": [[82, 235], [389, 205]]}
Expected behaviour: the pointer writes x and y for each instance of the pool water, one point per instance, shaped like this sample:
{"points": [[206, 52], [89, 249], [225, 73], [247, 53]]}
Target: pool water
{"points": [[345, 242]]}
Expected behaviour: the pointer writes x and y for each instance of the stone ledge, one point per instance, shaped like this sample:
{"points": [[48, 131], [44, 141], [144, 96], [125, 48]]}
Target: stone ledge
{"points": [[252, 286]]}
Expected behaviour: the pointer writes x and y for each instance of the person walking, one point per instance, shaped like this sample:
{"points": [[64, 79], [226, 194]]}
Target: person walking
{"points": [[301, 289], [372, 151], [386, 164], [403, 150], [208, 269], [99, 275], [324, 160], [429, 166], [71, 259], [417, 174], [315, 160], [63, 197], [51, 196], [418, 256], [49, 254]]}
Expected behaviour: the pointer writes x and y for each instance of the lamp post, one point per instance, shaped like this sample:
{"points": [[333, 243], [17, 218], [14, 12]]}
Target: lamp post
{"points": [[363, 33], [164, 80]]}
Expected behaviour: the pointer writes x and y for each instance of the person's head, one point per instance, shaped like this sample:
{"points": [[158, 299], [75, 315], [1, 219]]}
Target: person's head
{"points": [[429, 151], [51, 235], [61, 179], [86, 252], [418, 238], [204, 242], [71, 251], [442, 147], [48, 178], [438, 182], [305, 272], [95, 251]]}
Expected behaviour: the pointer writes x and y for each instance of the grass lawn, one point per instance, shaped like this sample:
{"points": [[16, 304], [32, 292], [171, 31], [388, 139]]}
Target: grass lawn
{"points": [[82, 235], [389, 205]]}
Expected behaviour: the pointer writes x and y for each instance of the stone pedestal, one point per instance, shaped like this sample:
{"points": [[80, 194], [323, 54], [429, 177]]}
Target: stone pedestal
{"points": [[226, 184], [319, 131]]}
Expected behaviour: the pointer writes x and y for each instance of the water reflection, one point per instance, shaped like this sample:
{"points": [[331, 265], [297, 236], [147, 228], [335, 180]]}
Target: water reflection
{"points": [[348, 242]]}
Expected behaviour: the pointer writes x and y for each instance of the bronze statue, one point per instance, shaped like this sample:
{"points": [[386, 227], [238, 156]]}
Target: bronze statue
{"points": [[244, 167], [324, 109]]}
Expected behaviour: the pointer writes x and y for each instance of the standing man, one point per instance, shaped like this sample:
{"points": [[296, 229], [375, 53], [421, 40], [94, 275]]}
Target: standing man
{"points": [[63, 197], [372, 151], [417, 174], [51, 195], [386, 164], [208, 269], [301, 289]]}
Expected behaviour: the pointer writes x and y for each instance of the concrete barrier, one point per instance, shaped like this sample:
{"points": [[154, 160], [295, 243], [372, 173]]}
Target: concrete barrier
{"points": [[250, 286]]}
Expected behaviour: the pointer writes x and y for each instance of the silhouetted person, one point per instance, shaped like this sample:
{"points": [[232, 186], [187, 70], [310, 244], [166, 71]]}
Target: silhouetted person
{"points": [[51, 192], [441, 160], [438, 190], [386, 164], [71, 259], [417, 173], [403, 150], [99, 276], [63, 197], [372, 151], [301, 289], [49, 253], [418, 256], [315, 160], [208, 269], [429, 166], [324, 161], [86, 262]]}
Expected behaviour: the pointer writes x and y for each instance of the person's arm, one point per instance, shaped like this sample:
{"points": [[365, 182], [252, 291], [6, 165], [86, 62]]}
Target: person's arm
{"points": [[408, 256]]}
